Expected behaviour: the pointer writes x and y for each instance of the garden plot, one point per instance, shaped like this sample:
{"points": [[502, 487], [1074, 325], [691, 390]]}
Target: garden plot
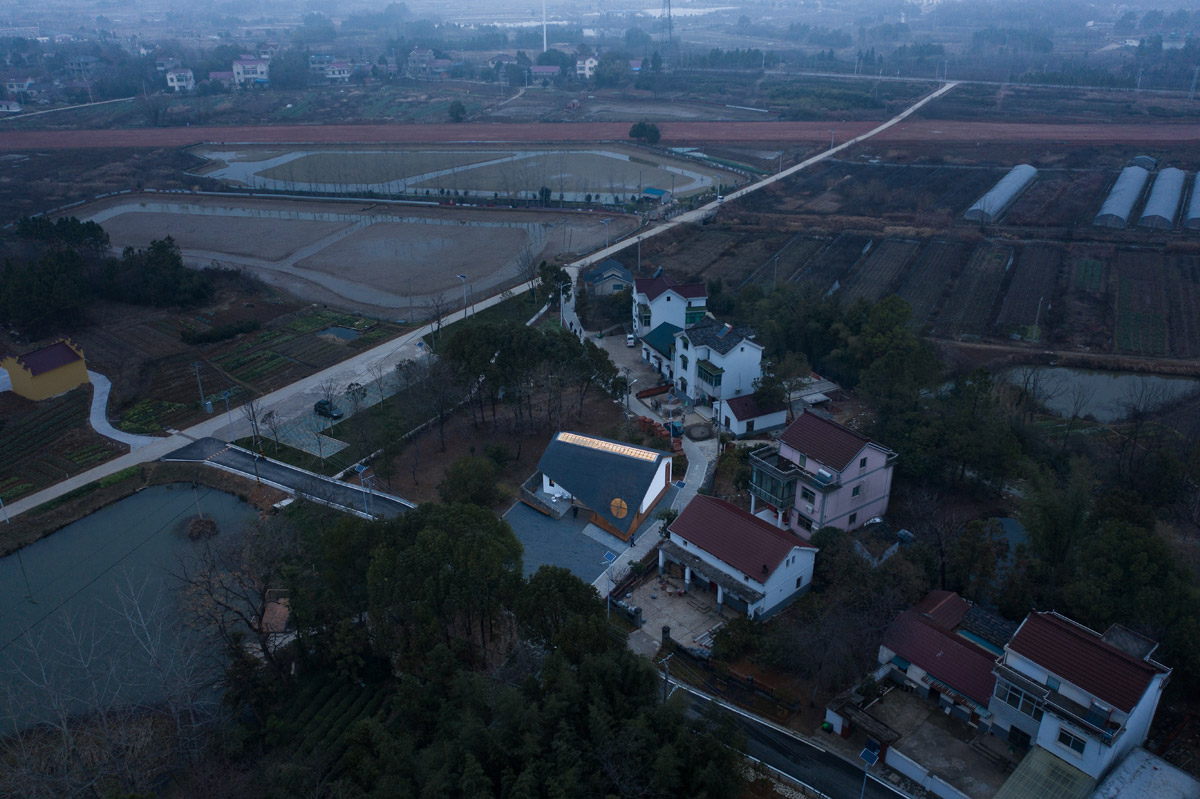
{"points": [[934, 271], [1058, 200], [1182, 273], [969, 308], [573, 175], [1141, 304], [1030, 292], [876, 277], [835, 261]]}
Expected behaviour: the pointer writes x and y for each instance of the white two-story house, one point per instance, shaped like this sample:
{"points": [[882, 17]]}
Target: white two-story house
{"points": [[660, 300], [821, 474], [586, 68], [751, 565], [715, 361], [1088, 699], [251, 72], [181, 80]]}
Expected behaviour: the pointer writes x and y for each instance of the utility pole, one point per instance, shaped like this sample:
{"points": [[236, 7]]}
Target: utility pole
{"points": [[463, 278], [1195, 73], [606, 223], [831, 139], [199, 385], [228, 414]]}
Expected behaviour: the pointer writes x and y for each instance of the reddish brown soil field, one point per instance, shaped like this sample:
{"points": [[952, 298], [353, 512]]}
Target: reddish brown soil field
{"points": [[925, 131]]}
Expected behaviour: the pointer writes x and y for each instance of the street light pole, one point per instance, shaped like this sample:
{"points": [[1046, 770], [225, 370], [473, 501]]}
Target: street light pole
{"points": [[463, 278], [228, 414], [831, 140], [562, 301], [199, 385], [606, 223]]}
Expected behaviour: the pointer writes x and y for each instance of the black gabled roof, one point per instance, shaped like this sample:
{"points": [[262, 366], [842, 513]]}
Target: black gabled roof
{"points": [[606, 266], [716, 335], [598, 470]]}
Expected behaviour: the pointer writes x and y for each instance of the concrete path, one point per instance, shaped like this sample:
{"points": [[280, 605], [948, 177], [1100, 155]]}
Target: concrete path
{"points": [[298, 397], [289, 401], [318, 488], [99, 415]]}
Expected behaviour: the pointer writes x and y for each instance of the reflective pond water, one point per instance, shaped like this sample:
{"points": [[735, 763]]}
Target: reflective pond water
{"points": [[1105, 396], [73, 581]]}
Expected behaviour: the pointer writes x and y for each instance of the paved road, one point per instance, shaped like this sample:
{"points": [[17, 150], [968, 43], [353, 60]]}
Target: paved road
{"points": [[799, 759], [298, 397], [345, 496]]}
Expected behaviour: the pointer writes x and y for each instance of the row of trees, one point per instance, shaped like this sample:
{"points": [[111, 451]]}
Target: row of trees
{"points": [[50, 289]]}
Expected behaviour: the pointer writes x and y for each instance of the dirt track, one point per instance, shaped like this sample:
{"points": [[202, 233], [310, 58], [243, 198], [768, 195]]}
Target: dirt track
{"points": [[923, 131]]}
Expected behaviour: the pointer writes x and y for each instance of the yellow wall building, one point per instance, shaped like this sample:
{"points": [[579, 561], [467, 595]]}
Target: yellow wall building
{"points": [[47, 372]]}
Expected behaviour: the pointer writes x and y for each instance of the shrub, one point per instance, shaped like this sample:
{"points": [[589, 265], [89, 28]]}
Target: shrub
{"points": [[470, 480]]}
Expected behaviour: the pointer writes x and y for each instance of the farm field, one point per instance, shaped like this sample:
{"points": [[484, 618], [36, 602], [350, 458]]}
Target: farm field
{"points": [[1054, 104], [968, 310], [934, 270], [1158, 303], [833, 262], [382, 259], [1141, 305], [572, 174], [1032, 287], [877, 276], [27, 464], [1059, 199]]}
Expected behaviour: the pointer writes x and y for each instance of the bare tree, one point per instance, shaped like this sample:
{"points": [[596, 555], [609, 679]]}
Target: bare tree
{"points": [[329, 389], [252, 410], [527, 268], [273, 422], [439, 306], [1079, 398]]}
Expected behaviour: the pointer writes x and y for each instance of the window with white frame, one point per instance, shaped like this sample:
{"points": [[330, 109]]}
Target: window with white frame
{"points": [[1072, 741], [1015, 697]]}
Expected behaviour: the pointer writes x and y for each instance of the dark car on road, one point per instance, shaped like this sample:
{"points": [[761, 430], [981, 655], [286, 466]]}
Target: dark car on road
{"points": [[327, 409]]}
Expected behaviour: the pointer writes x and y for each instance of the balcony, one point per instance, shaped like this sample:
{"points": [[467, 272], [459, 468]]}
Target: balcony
{"points": [[1106, 731], [709, 373], [773, 479]]}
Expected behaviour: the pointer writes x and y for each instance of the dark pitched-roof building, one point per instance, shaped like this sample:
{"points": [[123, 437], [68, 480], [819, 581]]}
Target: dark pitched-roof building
{"points": [[619, 483]]}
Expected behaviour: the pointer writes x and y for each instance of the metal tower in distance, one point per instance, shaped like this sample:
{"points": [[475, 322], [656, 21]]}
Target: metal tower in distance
{"points": [[668, 32]]}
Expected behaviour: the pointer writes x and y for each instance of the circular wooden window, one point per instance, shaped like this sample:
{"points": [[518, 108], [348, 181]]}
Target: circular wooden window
{"points": [[619, 508]]}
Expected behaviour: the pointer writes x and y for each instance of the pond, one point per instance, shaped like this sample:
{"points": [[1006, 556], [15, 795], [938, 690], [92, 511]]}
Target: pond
{"points": [[344, 333], [75, 578], [1105, 396]]}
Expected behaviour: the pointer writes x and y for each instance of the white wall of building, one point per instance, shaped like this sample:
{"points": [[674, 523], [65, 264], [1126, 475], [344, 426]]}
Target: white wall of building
{"points": [[794, 574], [741, 367], [661, 478]]}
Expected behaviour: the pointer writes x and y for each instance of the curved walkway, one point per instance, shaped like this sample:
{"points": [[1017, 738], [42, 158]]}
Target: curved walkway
{"points": [[99, 415]]}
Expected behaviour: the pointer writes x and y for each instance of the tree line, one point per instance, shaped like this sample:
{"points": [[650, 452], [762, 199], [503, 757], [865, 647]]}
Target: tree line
{"points": [[50, 289]]}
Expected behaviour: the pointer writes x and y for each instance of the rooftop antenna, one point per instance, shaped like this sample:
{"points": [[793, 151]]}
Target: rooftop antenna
{"points": [[544, 47]]}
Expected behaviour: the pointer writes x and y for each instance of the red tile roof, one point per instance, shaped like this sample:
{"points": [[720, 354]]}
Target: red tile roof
{"points": [[947, 658], [943, 608], [1081, 657], [746, 407], [745, 542], [654, 287], [49, 358], [824, 440]]}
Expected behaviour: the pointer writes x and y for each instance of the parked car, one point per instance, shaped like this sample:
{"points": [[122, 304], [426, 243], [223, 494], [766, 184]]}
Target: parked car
{"points": [[630, 340], [327, 409]]}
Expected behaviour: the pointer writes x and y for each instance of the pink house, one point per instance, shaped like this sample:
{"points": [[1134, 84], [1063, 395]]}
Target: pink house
{"points": [[821, 474]]}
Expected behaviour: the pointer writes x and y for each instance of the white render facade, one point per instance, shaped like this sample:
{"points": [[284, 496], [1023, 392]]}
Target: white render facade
{"points": [[1054, 713], [794, 574], [704, 373], [668, 307], [181, 80]]}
